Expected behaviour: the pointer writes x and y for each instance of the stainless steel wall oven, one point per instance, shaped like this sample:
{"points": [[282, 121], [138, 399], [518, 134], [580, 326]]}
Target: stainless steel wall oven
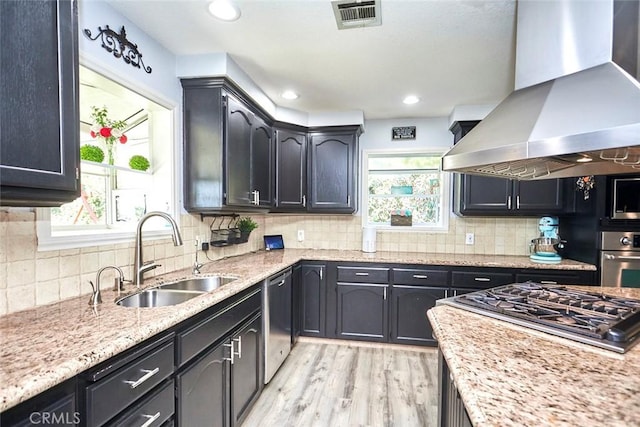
{"points": [[620, 259]]}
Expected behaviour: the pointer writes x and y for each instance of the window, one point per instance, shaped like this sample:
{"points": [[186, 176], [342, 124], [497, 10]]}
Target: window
{"points": [[115, 194], [405, 189]]}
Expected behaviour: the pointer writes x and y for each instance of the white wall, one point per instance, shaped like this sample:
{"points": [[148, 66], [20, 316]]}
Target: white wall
{"points": [[431, 133]]}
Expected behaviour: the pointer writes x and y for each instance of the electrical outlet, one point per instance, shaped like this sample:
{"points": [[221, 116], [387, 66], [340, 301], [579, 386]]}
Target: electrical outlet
{"points": [[469, 239], [300, 235]]}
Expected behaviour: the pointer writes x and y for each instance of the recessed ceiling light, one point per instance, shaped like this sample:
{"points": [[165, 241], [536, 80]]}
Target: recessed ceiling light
{"points": [[289, 94], [226, 10], [411, 99]]}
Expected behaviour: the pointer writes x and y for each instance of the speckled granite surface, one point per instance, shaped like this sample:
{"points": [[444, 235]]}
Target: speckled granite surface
{"points": [[513, 376], [44, 346]]}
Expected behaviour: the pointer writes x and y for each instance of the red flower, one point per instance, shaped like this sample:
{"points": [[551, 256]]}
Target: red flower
{"points": [[123, 139], [105, 132], [93, 134]]}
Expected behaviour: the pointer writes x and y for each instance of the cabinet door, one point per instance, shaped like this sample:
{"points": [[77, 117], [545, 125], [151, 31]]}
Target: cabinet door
{"points": [[246, 370], [409, 305], [482, 195], [291, 170], [362, 312], [39, 142], [262, 162], [202, 390], [539, 197], [332, 177], [238, 132], [313, 300]]}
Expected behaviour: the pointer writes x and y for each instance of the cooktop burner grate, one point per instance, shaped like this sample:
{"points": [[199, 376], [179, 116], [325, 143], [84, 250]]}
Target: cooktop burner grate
{"points": [[594, 318]]}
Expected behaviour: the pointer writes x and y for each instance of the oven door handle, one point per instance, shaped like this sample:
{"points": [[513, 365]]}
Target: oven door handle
{"points": [[624, 257]]}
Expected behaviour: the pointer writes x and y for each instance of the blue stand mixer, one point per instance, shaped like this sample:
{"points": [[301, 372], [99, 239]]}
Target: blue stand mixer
{"points": [[544, 248]]}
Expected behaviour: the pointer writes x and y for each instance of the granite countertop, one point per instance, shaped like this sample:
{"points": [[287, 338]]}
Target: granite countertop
{"points": [[44, 346], [508, 375]]}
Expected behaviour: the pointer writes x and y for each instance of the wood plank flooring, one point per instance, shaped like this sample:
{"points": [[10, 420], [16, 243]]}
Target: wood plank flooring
{"points": [[337, 383]]}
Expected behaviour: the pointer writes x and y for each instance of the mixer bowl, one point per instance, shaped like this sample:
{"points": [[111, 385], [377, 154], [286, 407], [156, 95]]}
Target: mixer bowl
{"points": [[545, 246]]}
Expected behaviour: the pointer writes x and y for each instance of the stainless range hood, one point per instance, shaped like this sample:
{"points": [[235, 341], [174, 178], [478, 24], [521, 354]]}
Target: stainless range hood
{"points": [[576, 107]]}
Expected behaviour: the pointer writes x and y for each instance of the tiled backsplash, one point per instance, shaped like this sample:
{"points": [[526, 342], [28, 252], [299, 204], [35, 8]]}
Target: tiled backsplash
{"points": [[29, 278]]}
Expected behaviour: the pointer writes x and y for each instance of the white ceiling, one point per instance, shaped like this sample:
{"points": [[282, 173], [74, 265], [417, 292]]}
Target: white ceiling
{"points": [[448, 52]]}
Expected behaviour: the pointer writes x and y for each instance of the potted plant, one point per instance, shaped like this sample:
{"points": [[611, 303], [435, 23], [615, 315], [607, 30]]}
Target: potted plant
{"points": [[246, 225]]}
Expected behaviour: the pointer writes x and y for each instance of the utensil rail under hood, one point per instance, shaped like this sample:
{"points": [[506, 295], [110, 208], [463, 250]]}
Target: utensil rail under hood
{"points": [[576, 107]]}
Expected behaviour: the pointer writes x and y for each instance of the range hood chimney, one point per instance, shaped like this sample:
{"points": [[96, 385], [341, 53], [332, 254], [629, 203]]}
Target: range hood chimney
{"points": [[576, 107]]}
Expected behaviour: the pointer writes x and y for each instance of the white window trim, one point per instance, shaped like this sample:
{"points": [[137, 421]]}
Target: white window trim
{"points": [[88, 238], [446, 200]]}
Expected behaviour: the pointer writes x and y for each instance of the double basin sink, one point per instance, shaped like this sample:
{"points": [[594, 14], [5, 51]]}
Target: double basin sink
{"points": [[173, 293]]}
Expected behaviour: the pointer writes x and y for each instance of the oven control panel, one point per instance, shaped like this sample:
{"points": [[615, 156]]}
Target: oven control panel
{"points": [[620, 241]]}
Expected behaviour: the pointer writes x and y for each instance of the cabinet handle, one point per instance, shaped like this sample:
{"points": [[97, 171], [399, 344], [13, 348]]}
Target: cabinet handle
{"points": [[230, 345], [518, 201], [385, 293], [420, 276], [481, 279], [362, 274], [256, 197], [348, 200], [304, 201], [509, 202], [150, 419], [321, 273], [281, 283], [147, 374], [239, 341], [548, 282]]}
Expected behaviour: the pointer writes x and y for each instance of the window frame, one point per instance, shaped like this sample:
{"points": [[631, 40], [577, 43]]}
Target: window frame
{"points": [[109, 236], [445, 187]]}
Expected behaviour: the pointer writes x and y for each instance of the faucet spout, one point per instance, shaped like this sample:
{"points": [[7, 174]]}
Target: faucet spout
{"points": [[138, 266]]}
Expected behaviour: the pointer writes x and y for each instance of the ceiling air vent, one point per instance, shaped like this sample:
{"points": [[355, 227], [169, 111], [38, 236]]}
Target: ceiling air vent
{"points": [[356, 14]]}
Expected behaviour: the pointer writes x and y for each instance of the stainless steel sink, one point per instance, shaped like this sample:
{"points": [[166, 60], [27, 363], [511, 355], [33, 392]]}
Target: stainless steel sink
{"points": [[200, 284], [157, 298]]}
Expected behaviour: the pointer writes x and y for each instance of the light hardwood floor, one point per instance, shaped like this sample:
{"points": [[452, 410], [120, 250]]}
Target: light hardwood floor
{"points": [[336, 383]]}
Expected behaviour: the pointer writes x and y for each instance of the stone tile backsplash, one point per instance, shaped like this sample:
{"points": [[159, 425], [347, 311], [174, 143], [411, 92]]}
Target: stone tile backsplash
{"points": [[29, 278]]}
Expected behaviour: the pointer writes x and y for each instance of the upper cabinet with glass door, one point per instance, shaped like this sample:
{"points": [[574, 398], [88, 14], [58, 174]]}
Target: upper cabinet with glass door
{"points": [[39, 116]]}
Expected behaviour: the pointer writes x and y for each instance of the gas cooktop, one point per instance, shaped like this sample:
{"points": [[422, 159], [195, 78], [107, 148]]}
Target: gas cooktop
{"points": [[593, 318]]}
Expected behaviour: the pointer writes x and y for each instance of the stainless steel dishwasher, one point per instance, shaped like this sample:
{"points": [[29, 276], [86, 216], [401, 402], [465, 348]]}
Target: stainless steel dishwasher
{"points": [[277, 321]]}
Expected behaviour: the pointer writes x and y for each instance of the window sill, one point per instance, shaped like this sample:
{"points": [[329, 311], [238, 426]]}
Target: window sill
{"points": [[409, 229], [93, 238]]}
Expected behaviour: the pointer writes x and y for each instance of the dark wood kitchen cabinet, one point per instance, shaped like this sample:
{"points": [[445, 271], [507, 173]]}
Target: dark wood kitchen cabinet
{"points": [[332, 165], [477, 195], [221, 364], [414, 291], [40, 138], [313, 299], [58, 403], [362, 312], [228, 149], [248, 156], [291, 170]]}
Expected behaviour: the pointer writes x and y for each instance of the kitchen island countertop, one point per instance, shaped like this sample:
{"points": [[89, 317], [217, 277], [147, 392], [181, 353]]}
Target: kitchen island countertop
{"points": [[46, 345], [508, 375]]}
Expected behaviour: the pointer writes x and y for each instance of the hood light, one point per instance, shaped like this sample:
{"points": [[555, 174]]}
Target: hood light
{"points": [[411, 99], [225, 10], [585, 159], [289, 94]]}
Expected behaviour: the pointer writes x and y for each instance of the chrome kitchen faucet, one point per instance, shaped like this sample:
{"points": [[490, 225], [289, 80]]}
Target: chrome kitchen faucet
{"points": [[138, 266]]}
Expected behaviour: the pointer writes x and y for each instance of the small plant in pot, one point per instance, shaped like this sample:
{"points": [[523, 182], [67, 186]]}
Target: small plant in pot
{"points": [[246, 225]]}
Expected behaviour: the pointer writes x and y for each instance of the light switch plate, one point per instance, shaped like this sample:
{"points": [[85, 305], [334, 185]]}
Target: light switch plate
{"points": [[469, 239], [300, 235]]}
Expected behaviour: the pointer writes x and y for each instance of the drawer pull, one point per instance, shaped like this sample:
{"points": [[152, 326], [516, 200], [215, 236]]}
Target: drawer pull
{"points": [[362, 274], [230, 359], [281, 283], [148, 374], [548, 282], [150, 419], [481, 279], [420, 276]]}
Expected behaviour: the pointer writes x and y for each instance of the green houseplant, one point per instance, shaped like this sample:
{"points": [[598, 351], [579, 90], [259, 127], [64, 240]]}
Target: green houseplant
{"points": [[246, 225], [92, 153], [139, 162]]}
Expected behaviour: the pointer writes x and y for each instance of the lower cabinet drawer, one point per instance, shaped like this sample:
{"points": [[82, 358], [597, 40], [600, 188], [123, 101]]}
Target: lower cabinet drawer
{"points": [[115, 392], [363, 274], [481, 280], [152, 411], [419, 277]]}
